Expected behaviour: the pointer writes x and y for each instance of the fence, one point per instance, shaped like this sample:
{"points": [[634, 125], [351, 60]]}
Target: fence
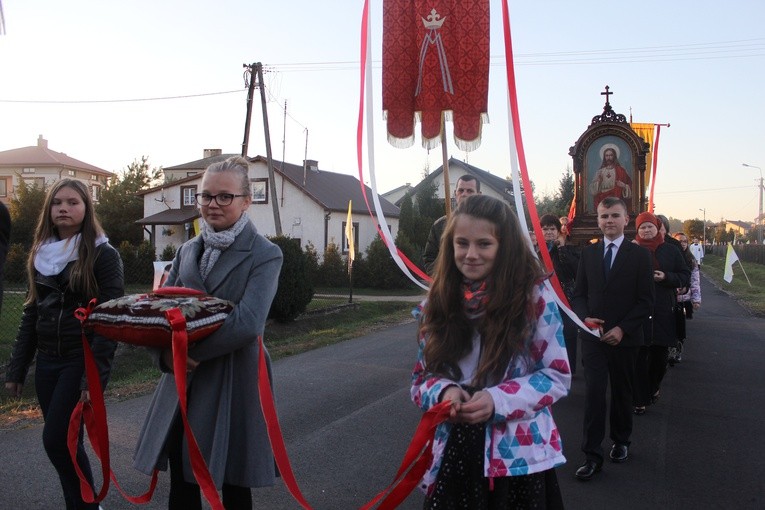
{"points": [[746, 252], [138, 278]]}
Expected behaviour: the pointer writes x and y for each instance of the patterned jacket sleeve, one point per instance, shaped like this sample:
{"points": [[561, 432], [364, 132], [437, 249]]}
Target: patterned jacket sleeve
{"points": [[545, 378], [426, 388]]}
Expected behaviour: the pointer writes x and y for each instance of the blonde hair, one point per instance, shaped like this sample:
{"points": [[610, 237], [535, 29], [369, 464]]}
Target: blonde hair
{"points": [[236, 164]]}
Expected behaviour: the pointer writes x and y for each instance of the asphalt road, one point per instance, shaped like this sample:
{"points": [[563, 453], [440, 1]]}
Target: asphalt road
{"points": [[347, 420]]}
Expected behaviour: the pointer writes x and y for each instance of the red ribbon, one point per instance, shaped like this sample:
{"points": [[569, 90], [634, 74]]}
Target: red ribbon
{"points": [[275, 435], [527, 188], [96, 424], [180, 354], [416, 459], [94, 416]]}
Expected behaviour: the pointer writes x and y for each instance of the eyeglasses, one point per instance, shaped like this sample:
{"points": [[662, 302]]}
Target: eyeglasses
{"points": [[222, 199]]}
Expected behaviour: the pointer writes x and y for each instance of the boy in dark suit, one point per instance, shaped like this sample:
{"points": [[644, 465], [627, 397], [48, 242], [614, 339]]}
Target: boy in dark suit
{"points": [[614, 293]]}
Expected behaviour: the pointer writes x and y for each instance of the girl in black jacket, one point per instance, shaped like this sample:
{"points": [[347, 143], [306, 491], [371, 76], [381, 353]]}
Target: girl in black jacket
{"points": [[70, 263]]}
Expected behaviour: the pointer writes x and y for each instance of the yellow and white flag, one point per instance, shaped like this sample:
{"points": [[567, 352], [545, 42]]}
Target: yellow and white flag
{"points": [[349, 237], [730, 259]]}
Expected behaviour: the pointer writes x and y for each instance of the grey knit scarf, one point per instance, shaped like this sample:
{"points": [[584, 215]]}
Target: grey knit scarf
{"points": [[217, 242]]}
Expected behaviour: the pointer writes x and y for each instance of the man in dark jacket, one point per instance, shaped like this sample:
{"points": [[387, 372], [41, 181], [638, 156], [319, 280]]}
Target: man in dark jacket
{"points": [[467, 185], [614, 293]]}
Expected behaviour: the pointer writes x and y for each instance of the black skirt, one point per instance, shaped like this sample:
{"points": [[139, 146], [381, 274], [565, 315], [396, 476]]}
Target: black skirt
{"points": [[461, 484]]}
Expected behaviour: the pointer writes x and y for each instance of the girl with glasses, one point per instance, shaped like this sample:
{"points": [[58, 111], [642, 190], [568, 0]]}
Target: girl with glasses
{"points": [[229, 260]]}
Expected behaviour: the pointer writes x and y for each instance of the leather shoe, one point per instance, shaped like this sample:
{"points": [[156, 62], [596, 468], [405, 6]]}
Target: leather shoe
{"points": [[587, 470], [619, 453]]}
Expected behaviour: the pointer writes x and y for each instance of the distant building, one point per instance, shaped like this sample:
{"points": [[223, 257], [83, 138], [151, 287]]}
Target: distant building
{"points": [[394, 196], [37, 165], [741, 228], [313, 204], [492, 185]]}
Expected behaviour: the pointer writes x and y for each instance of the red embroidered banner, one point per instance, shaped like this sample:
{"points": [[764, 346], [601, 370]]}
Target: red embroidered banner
{"points": [[435, 62]]}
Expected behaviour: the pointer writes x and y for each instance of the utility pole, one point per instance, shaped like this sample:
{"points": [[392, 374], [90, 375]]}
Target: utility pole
{"points": [[759, 218], [250, 91], [256, 71]]}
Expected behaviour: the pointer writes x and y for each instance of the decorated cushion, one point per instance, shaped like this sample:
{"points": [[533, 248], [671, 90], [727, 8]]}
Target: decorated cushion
{"points": [[140, 319]]}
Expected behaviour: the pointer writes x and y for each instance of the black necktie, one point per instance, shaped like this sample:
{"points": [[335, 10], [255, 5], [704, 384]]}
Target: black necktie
{"points": [[607, 259]]}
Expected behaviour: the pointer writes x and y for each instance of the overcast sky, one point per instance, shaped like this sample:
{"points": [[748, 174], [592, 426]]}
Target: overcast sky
{"points": [[69, 68]]}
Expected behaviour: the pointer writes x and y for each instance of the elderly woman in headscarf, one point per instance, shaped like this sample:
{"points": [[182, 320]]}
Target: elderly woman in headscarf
{"points": [[670, 272]]}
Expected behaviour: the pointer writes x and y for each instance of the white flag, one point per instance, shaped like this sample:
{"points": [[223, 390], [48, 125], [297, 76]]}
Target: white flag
{"points": [[730, 259]]}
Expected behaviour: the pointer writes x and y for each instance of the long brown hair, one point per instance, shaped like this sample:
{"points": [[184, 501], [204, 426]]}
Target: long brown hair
{"points": [[509, 316], [82, 278]]}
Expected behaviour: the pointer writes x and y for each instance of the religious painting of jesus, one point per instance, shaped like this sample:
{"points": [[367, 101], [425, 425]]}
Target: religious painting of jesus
{"points": [[610, 172]]}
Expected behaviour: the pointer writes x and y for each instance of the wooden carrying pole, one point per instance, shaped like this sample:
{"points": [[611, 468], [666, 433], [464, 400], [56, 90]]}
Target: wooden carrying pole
{"points": [[445, 156]]}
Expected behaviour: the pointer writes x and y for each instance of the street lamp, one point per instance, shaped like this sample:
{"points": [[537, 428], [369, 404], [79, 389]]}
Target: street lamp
{"points": [[704, 229], [759, 218]]}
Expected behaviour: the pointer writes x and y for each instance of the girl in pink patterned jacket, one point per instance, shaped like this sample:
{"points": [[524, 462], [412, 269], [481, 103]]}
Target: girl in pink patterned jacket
{"points": [[491, 342]]}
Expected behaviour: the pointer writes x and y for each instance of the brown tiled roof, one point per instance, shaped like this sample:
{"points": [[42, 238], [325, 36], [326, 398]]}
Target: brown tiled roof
{"points": [[331, 190], [170, 217], [36, 156]]}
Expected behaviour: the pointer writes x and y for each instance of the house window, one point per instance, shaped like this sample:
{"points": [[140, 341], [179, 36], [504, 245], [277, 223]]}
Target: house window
{"points": [[93, 177], [28, 170], [189, 174], [34, 182], [3, 188], [259, 190], [355, 237], [95, 193], [187, 196], [70, 173]]}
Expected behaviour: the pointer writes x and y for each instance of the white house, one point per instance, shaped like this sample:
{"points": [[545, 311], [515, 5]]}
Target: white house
{"points": [[313, 204]]}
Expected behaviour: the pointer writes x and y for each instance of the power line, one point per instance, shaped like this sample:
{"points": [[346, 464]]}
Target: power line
{"points": [[133, 100], [699, 190], [743, 48], [697, 51]]}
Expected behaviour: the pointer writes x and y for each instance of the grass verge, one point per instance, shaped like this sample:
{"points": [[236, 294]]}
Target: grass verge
{"points": [[752, 297], [134, 373]]}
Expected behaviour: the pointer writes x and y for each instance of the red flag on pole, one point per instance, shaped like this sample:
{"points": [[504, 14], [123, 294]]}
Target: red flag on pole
{"points": [[435, 62]]}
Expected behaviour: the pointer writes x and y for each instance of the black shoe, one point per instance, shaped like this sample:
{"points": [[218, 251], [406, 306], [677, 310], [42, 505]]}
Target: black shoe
{"points": [[619, 453], [587, 470]]}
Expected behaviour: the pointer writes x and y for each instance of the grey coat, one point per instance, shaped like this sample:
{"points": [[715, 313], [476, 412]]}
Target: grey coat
{"points": [[223, 401]]}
